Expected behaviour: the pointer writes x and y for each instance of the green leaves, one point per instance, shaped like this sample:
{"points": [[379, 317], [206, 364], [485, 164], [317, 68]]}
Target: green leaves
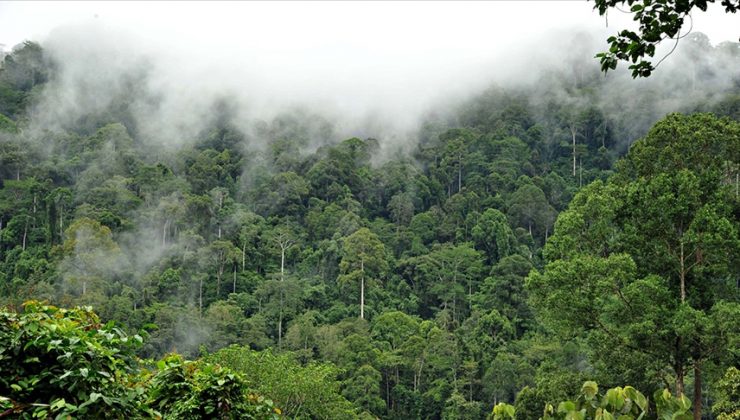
{"points": [[589, 390], [639, 265], [202, 390], [617, 403], [503, 411], [300, 391], [657, 21], [672, 408], [66, 361], [82, 369]]}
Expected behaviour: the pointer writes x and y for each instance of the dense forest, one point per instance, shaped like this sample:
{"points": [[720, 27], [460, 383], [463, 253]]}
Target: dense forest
{"points": [[527, 240]]}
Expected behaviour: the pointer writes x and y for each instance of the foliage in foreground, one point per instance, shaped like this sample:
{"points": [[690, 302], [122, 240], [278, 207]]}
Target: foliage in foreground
{"points": [[623, 403], [63, 363], [310, 391], [200, 390]]}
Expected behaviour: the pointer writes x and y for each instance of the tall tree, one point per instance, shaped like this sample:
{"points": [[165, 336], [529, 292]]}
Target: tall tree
{"points": [[363, 259], [646, 263]]}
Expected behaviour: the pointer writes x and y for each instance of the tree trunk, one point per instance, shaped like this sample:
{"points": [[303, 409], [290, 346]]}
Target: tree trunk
{"points": [[417, 386], [697, 390], [280, 323], [282, 279], [233, 288], [683, 274], [573, 135], [459, 174], [362, 289], [218, 279], [164, 232], [679, 380], [387, 391], [282, 263], [244, 256], [61, 225], [200, 295], [25, 234]]}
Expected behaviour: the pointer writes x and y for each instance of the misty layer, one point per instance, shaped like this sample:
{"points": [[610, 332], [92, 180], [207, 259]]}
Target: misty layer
{"points": [[382, 229]]}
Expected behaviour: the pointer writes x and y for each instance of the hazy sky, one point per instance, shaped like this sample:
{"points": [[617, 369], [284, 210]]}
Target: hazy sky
{"points": [[389, 59], [300, 26]]}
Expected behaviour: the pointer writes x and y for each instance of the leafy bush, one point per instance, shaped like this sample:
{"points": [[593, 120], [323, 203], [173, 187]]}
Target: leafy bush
{"points": [[63, 362], [727, 404], [310, 391], [201, 390], [616, 403]]}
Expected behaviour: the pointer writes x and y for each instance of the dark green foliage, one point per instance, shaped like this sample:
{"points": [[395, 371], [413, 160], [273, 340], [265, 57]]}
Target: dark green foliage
{"points": [[59, 362], [21, 70], [643, 265], [309, 391], [341, 279], [200, 390]]}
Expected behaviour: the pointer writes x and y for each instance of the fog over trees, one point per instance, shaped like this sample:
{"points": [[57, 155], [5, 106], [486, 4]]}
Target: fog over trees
{"points": [[181, 239]]}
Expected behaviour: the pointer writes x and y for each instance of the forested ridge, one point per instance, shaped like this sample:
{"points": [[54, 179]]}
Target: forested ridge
{"points": [[517, 251]]}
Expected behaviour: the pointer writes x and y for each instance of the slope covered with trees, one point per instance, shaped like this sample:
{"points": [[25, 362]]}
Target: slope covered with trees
{"points": [[343, 282]]}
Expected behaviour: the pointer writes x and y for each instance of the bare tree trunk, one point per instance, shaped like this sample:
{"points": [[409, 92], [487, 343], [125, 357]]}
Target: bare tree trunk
{"points": [[418, 376], [200, 295], [697, 390], [164, 232], [683, 274], [233, 289], [573, 135], [25, 234], [218, 279], [244, 256], [679, 380], [387, 391], [284, 242], [282, 279], [459, 174], [362, 289], [470, 390], [280, 323], [603, 136], [282, 263]]}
